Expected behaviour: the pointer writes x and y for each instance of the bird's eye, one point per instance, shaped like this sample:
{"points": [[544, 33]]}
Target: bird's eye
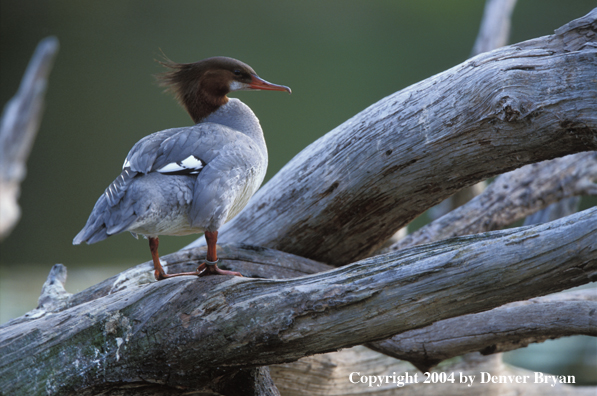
{"points": [[237, 72]]}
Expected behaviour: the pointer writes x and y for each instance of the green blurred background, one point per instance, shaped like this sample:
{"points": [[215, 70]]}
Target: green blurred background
{"points": [[337, 56]]}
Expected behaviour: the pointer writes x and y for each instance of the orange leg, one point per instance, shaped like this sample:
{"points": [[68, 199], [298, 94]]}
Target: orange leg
{"points": [[159, 271], [211, 262], [209, 267]]}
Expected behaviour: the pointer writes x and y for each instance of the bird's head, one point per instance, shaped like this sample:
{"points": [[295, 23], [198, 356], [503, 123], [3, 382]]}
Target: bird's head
{"points": [[201, 87]]}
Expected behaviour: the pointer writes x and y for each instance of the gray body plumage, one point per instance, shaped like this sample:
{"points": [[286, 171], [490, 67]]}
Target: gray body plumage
{"points": [[230, 149]]}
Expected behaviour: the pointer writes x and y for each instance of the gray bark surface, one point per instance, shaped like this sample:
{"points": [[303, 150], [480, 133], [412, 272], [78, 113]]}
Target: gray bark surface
{"points": [[493, 33], [344, 195], [336, 202], [188, 332], [511, 197], [502, 329], [328, 375]]}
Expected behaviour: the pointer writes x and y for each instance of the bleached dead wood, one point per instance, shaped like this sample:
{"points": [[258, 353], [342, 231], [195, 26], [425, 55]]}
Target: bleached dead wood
{"points": [[505, 328], [251, 261], [188, 332], [493, 33], [345, 194], [329, 375], [511, 197], [20, 120], [191, 334]]}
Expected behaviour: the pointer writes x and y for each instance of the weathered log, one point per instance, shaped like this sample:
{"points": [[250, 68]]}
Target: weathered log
{"points": [[19, 124], [330, 375], [505, 328], [194, 334], [493, 34], [251, 261], [345, 194], [187, 332], [511, 197]]}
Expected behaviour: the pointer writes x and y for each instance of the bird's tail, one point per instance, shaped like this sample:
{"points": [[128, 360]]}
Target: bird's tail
{"points": [[110, 215], [95, 230]]}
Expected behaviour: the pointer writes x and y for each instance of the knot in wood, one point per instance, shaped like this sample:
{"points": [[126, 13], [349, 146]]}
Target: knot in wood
{"points": [[509, 109]]}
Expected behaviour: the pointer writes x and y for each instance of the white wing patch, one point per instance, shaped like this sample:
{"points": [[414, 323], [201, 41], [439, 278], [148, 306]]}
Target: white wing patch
{"points": [[126, 163], [188, 166], [192, 162]]}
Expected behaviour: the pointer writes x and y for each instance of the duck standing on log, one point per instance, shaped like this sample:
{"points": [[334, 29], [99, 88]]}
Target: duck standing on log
{"points": [[194, 179]]}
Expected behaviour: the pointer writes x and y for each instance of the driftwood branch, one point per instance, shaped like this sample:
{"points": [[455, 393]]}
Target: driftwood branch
{"points": [[512, 197], [336, 202], [330, 375], [508, 327], [186, 332], [251, 261], [19, 125], [493, 34], [341, 197]]}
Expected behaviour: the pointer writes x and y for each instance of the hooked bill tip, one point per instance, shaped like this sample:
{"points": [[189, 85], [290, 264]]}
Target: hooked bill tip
{"points": [[259, 83]]}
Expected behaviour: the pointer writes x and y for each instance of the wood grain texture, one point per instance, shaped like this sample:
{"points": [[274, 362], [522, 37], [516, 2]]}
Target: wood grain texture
{"points": [[493, 33], [345, 194], [187, 332], [505, 328], [336, 202], [329, 375], [512, 197], [251, 261]]}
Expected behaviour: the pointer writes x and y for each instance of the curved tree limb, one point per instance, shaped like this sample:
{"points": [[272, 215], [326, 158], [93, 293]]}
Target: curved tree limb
{"points": [[132, 336], [511, 197], [329, 375], [341, 197], [493, 33], [501, 329], [186, 334], [251, 261]]}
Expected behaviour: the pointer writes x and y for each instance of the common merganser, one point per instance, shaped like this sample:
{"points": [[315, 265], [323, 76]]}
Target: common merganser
{"points": [[189, 180]]}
